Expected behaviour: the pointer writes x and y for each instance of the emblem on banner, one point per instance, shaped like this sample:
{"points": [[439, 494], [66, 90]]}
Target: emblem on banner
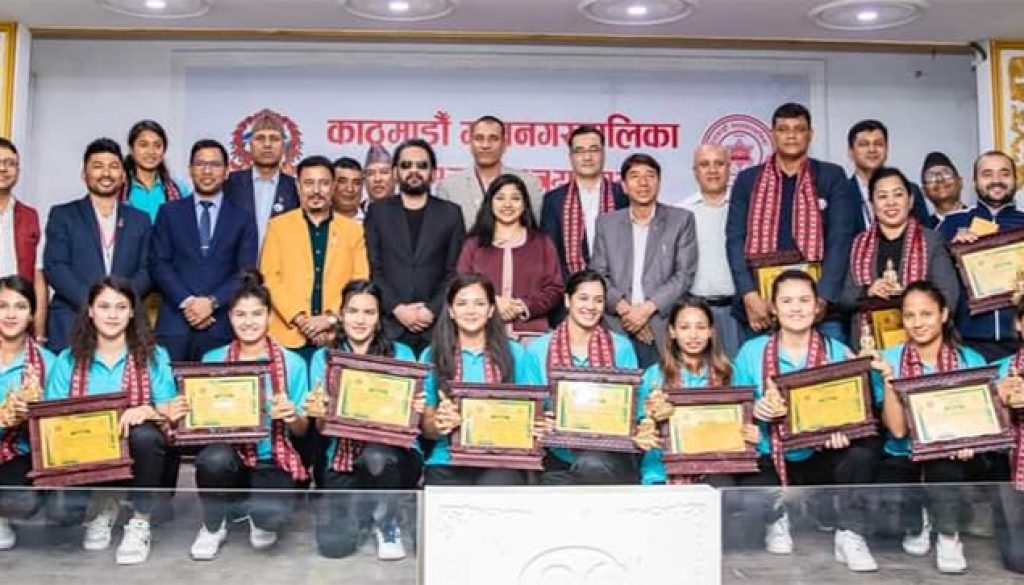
{"points": [[747, 139], [241, 156]]}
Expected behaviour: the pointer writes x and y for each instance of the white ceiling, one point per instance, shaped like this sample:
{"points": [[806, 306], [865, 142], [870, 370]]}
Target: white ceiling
{"points": [[945, 21]]}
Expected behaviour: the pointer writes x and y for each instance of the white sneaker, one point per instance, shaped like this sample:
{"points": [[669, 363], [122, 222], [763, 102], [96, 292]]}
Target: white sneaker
{"points": [[852, 549], [919, 544], [98, 530], [389, 541], [134, 547], [777, 539], [949, 554], [261, 539], [207, 544], [7, 536]]}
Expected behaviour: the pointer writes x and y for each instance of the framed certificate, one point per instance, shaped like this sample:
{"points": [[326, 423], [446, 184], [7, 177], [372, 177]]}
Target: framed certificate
{"points": [[988, 268], [371, 398], [595, 409], [834, 398], [886, 320], [78, 441], [767, 268], [227, 402], [704, 435], [497, 425], [950, 411]]}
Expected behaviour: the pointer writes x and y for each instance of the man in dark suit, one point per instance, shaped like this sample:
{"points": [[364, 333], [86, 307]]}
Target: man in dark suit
{"points": [[868, 142], [91, 238], [413, 243], [200, 246], [264, 190]]}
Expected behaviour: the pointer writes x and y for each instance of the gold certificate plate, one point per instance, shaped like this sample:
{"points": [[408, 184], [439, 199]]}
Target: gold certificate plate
{"points": [[827, 405], [888, 327], [993, 272], [501, 424], [957, 413], [377, 398], [223, 402], [77, 439], [589, 407], [766, 275], [712, 428]]}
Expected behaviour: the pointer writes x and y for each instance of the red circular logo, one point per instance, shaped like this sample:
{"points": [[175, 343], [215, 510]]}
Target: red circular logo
{"points": [[747, 139], [241, 156]]}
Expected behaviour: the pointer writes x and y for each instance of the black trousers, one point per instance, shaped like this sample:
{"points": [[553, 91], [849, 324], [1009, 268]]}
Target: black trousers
{"points": [[148, 448], [342, 513], [451, 475], [592, 468], [1010, 527], [220, 467], [15, 503], [944, 502], [191, 346], [757, 494]]}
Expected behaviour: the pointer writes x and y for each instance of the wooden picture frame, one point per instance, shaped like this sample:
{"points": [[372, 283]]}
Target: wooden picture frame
{"points": [[767, 267], [246, 419], [566, 380], [974, 383], [97, 417], [797, 390], [709, 462], [988, 269], [463, 454], [400, 428]]}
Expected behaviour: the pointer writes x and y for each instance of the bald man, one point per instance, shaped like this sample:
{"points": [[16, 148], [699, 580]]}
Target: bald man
{"points": [[710, 206]]}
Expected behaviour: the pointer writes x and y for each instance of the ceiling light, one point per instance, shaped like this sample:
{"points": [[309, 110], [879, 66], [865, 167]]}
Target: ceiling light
{"points": [[636, 13], [867, 14], [157, 8], [399, 10]]}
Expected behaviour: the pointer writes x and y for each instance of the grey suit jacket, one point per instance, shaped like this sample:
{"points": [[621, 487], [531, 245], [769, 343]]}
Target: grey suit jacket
{"points": [[670, 261], [463, 189]]}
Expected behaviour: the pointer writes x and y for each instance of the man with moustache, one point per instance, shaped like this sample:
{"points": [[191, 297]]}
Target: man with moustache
{"points": [[413, 242], [379, 177], [467, 188], [868, 142], [942, 186], [348, 188], [264, 190], [21, 249], [309, 255], [710, 206], [91, 238], [200, 246], [995, 180]]}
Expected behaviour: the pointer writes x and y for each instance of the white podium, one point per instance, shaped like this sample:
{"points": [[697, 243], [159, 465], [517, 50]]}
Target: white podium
{"points": [[571, 535]]}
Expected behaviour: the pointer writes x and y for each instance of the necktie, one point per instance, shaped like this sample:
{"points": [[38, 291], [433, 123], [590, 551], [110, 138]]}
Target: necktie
{"points": [[205, 227]]}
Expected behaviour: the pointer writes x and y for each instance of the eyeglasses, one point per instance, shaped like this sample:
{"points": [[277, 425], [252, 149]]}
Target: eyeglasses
{"points": [[422, 165], [8, 163], [208, 165], [938, 176], [583, 151]]}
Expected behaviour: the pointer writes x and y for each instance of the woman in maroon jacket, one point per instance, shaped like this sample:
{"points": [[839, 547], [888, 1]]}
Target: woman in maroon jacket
{"points": [[506, 246]]}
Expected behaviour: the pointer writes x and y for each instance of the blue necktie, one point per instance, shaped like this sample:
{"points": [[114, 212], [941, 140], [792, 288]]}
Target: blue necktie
{"points": [[205, 227]]}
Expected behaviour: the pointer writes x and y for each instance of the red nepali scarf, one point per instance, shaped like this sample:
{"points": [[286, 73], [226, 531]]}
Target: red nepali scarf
{"points": [[816, 356], [766, 209], [171, 191], [492, 373], [912, 367], [573, 226], [135, 382], [599, 348], [33, 358], [282, 453], [913, 266], [1017, 455]]}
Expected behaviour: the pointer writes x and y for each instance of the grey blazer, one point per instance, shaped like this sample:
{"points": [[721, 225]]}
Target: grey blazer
{"points": [[463, 189], [670, 261]]}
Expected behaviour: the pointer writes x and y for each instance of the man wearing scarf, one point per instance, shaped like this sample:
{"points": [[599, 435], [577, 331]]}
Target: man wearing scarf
{"points": [[790, 203]]}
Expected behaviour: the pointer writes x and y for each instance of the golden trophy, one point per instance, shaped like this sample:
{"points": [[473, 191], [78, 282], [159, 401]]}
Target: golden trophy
{"points": [[890, 276], [316, 402], [1018, 286], [868, 347]]}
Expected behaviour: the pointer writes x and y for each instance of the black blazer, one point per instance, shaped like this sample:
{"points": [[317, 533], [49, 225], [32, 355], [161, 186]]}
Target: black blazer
{"points": [[73, 260], [405, 272], [551, 222], [238, 188]]}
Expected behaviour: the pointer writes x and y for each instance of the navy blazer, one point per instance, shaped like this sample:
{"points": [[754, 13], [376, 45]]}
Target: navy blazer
{"points": [[73, 260], [551, 221], [239, 189], [180, 270], [919, 209]]}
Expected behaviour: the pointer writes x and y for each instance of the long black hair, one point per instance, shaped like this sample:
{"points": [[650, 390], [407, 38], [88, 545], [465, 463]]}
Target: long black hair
{"points": [[671, 356], [138, 337], [131, 167], [445, 343], [483, 227], [380, 345]]}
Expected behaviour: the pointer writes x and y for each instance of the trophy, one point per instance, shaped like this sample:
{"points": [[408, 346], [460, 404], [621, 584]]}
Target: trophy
{"points": [[890, 276], [30, 391], [316, 402], [868, 348], [1018, 286]]}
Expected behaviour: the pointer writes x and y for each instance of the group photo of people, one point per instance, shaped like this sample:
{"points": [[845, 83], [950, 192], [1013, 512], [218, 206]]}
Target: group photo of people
{"points": [[484, 278]]}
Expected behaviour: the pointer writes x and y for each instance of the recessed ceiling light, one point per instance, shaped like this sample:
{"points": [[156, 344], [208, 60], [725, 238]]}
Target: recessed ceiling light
{"points": [[399, 10], [636, 12], [157, 8], [867, 14]]}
